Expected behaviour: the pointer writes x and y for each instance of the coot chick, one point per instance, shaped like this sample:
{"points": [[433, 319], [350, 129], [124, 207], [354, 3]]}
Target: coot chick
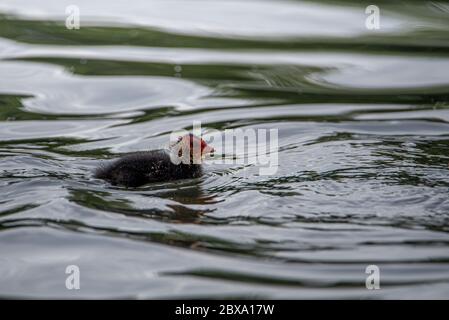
{"points": [[181, 161]]}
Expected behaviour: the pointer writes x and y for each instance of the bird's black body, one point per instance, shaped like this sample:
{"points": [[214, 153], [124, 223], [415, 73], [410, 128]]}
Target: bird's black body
{"points": [[140, 168]]}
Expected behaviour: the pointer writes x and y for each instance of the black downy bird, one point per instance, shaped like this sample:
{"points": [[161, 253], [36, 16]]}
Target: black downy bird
{"points": [[181, 161]]}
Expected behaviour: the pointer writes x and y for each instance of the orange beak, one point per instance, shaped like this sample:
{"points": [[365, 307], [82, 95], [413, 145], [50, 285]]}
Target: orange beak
{"points": [[207, 150]]}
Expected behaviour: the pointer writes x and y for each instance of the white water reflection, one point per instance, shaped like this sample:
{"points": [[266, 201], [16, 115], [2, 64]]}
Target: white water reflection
{"points": [[217, 18]]}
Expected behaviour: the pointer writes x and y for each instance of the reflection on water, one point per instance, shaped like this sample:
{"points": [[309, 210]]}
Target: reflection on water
{"points": [[363, 125]]}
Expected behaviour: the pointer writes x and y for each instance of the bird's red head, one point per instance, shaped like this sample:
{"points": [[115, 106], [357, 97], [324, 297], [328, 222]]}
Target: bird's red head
{"points": [[192, 145]]}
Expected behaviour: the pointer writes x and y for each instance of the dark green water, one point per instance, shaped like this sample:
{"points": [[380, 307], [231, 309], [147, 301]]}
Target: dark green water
{"points": [[363, 176]]}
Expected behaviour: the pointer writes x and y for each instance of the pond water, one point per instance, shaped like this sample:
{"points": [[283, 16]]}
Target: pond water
{"points": [[363, 162]]}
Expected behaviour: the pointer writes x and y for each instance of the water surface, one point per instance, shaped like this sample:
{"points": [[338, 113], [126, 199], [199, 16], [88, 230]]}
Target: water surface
{"points": [[363, 174]]}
